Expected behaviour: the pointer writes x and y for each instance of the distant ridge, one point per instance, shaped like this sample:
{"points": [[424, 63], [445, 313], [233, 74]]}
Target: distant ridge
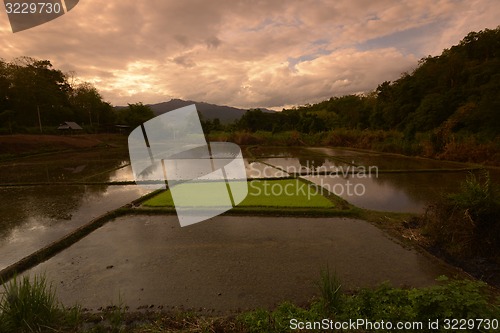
{"points": [[226, 114]]}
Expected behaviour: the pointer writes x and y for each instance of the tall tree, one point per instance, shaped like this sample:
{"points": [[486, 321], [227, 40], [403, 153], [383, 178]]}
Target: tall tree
{"points": [[135, 114], [38, 93], [89, 107]]}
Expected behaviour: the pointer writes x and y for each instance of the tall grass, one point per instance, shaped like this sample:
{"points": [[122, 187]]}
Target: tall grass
{"points": [[31, 306], [330, 288], [28, 306], [466, 223]]}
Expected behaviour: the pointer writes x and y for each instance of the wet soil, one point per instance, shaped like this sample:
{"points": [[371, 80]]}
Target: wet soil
{"points": [[228, 263]]}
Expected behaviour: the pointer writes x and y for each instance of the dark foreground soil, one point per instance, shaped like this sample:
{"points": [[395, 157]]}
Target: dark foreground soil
{"points": [[26, 144]]}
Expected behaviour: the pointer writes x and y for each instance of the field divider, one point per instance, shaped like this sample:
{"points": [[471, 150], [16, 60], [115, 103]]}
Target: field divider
{"points": [[77, 183]]}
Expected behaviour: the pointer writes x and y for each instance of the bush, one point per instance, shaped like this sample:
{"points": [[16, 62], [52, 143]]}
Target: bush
{"points": [[466, 223], [450, 299], [244, 138], [469, 149]]}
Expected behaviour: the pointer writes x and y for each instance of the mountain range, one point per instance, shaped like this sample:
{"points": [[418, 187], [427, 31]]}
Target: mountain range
{"points": [[226, 114]]}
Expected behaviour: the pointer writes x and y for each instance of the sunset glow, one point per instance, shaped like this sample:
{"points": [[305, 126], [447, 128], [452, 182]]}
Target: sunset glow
{"points": [[244, 54]]}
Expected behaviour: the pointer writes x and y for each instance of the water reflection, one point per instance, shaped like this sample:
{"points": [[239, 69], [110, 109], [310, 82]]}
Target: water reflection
{"points": [[406, 191], [44, 214], [67, 167], [397, 192], [34, 216], [283, 152], [395, 162], [310, 158], [19, 204], [341, 152]]}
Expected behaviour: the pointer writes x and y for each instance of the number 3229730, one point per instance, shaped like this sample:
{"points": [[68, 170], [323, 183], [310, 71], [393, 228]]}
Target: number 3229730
{"points": [[33, 8]]}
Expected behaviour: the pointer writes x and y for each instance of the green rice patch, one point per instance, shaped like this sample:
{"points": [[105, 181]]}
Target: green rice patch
{"points": [[284, 193], [293, 193]]}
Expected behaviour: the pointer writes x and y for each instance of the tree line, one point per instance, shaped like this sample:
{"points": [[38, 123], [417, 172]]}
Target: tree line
{"points": [[33, 94], [455, 92]]}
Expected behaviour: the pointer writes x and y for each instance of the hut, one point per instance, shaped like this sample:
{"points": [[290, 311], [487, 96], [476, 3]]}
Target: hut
{"points": [[69, 126]]}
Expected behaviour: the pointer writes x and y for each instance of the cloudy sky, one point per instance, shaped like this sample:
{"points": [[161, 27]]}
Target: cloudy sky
{"points": [[245, 53]]}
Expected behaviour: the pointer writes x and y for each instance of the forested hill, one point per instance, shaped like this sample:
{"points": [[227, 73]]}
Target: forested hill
{"points": [[459, 90], [456, 92]]}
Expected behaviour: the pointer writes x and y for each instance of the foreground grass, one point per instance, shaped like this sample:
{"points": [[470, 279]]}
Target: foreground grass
{"points": [[30, 306], [448, 300], [293, 193]]}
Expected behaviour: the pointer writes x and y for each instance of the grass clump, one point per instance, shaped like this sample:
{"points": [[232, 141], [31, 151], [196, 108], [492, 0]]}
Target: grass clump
{"points": [[466, 224], [331, 293], [31, 306]]}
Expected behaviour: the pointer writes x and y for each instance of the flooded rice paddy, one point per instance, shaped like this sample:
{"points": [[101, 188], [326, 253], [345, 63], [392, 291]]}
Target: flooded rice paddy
{"points": [[52, 204], [227, 262]]}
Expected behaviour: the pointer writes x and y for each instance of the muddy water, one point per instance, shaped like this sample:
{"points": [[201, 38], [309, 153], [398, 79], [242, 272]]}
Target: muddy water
{"points": [[63, 167], [408, 190], [386, 161], [228, 263], [396, 192], [34, 216]]}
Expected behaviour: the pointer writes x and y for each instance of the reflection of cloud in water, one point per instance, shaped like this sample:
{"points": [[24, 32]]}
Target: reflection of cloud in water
{"points": [[387, 197], [400, 192], [77, 169], [122, 174], [260, 170], [253, 170], [370, 194], [44, 214]]}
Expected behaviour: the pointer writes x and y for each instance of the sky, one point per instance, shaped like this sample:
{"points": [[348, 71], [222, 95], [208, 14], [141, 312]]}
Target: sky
{"points": [[246, 54]]}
